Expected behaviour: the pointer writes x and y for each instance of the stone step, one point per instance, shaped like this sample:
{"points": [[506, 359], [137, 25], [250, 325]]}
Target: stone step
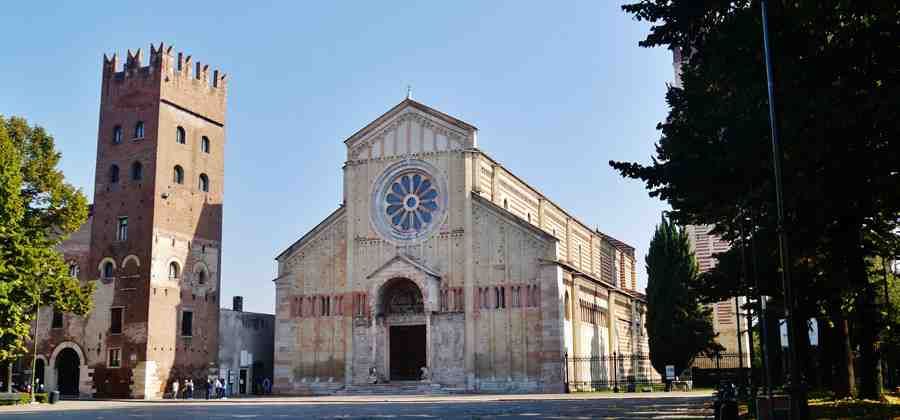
{"points": [[401, 388]]}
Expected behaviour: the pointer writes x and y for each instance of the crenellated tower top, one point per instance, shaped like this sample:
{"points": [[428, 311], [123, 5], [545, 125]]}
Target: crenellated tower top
{"points": [[169, 77], [161, 62]]}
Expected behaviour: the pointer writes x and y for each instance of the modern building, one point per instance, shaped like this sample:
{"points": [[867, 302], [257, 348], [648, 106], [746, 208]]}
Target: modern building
{"points": [[441, 258], [246, 348], [727, 315], [152, 246]]}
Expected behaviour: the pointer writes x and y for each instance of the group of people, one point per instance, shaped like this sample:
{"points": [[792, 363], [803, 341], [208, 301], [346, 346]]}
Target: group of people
{"points": [[215, 388], [184, 389]]}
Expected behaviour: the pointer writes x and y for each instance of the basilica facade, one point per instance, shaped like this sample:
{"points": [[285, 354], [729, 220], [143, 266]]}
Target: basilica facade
{"points": [[443, 266]]}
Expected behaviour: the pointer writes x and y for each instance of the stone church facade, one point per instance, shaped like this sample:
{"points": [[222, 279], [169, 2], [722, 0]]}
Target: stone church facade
{"points": [[441, 258], [152, 243]]}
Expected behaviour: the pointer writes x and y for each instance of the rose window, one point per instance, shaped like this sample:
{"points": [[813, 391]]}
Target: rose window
{"points": [[408, 201], [411, 202]]}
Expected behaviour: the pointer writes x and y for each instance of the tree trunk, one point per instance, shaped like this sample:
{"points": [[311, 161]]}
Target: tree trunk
{"points": [[869, 318], [773, 347], [826, 354], [7, 381], [845, 384]]}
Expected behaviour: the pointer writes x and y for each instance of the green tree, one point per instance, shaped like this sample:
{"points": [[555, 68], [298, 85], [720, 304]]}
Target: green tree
{"points": [[839, 100], [678, 326], [38, 210]]}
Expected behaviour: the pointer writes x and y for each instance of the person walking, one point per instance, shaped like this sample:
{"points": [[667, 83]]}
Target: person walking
{"points": [[190, 388], [175, 389], [267, 386], [209, 388]]}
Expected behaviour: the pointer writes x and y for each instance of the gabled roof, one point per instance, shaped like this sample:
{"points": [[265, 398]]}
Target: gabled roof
{"points": [[402, 105], [406, 260], [312, 232]]}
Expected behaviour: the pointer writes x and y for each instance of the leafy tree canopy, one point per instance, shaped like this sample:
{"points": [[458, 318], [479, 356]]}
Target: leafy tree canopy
{"points": [[38, 210]]}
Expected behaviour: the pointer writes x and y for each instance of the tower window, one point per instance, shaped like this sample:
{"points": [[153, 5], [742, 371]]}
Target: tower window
{"points": [[117, 134], [114, 358], [201, 276], [204, 183], [173, 270], [73, 270], [137, 171], [122, 229], [179, 135], [178, 175], [115, 320], [57, 321], [187, 324], [114, 174], [139, 130], [204, 144], [108, 270]]}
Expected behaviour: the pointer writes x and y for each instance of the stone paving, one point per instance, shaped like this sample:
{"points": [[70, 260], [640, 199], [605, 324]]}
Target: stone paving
{"points": [[577, 406]]}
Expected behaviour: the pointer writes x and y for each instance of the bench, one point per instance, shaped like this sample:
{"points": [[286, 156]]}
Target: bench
{"points": [[15, 397], [682, 385]]}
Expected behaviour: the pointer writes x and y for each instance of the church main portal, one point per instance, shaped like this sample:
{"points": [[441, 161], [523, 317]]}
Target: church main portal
{"points": [[407, 352]]}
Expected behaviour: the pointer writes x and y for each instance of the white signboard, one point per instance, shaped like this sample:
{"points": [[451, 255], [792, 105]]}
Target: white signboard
{"points": [[670, 371]]}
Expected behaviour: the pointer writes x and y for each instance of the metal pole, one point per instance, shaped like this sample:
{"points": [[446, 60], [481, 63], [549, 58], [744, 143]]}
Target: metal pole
{"points": [[737, 306], [37, 318], [615, 373], [797, 392]]}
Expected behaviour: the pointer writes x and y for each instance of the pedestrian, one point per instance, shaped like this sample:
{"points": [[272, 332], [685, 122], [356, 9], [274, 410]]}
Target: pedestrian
{"points": [[190, 388], [267, 386], [175, 389], [218, 386], [209, 387]]}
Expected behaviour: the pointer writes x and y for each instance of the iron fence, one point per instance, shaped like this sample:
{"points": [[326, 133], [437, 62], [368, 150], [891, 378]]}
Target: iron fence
{"points": [[615, 372]]}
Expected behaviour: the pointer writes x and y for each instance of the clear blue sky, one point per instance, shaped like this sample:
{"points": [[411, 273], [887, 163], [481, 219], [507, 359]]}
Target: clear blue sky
{"points": [[555, 88]]}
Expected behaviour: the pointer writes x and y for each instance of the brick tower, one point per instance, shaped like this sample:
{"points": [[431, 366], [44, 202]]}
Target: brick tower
{"points": [[157, 224]]}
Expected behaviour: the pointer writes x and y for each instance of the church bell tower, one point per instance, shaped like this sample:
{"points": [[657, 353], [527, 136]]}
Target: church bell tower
{"points": [[157, 220]]}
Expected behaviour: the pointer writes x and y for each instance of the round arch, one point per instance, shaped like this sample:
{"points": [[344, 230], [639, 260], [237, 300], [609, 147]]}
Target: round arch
{"points": [[400, 295], [131, 257], [51, 373]]}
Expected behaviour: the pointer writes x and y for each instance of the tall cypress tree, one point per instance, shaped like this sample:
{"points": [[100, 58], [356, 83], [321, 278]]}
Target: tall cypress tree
{"points": [[678, 325]]}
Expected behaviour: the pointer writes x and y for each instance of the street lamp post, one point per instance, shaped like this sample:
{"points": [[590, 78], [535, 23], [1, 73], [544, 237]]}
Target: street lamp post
{"points": [[797, 391]]}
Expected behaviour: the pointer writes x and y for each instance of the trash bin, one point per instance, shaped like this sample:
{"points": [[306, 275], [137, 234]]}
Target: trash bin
{"points": [[53, 397]]}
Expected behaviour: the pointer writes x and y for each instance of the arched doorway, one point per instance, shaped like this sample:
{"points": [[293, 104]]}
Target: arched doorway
{"points": [[67, 371], [403, 307]]}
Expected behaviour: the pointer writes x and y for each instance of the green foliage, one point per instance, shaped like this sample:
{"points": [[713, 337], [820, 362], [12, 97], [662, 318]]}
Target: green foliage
{"points": [[838, 92], [678, 326], [38, 210]]}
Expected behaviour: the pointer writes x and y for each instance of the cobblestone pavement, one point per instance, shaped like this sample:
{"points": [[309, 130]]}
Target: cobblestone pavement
{"points": [[579, 406]]}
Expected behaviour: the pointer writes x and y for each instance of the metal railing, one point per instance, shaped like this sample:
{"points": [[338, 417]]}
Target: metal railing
{"points": [[615, 372]]}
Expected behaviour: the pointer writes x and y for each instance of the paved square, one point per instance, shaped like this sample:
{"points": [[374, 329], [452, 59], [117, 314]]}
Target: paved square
{"points": [[578, 406]]}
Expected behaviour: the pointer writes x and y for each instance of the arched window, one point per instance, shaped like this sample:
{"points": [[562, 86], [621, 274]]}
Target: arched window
{"points": [[139, 130], [117, 134], [204, 144], [567, 308], [178, 175], [114, 174], [505, 204], [204, 183], [173, 270], [108, 269], [73, 270], [180, 135], [137, 171], [201, 277]]}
